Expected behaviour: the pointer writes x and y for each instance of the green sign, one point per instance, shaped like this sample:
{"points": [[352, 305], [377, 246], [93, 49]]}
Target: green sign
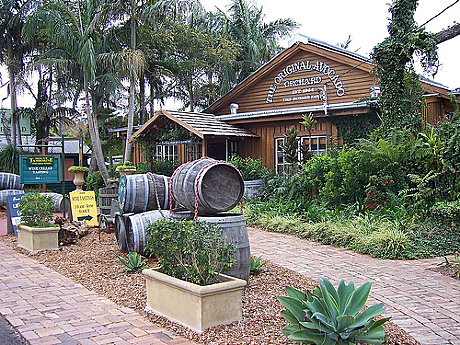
{"points": [[5, 122], [40, 169]]}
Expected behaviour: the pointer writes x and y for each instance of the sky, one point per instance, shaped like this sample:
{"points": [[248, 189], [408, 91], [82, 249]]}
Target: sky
{"points": [[366, 21], [332, 21]]}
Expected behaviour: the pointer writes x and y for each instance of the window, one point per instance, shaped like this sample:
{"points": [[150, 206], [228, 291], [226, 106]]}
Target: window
{"points": [[317, 145], [232, 149], [168, 153], [194, 151]]}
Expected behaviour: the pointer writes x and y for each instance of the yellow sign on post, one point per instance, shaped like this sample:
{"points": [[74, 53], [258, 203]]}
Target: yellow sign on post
{"points": [[84, 207]]}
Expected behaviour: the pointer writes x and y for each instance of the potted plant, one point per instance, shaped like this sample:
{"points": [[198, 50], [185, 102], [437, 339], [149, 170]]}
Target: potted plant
{"points": [[189, 288], [79, 179], [126, 168], [253, 173], [36, 232]]}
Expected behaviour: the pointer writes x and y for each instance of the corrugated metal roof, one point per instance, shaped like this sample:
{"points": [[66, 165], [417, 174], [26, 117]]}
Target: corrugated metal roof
{"points": [[201, 124]]}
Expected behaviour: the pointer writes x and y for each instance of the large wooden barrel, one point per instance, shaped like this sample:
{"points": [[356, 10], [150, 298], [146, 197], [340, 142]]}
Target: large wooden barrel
{"points": [[136, 226], [10, 181], [106, 195], [5, 193], [234, 231], [120, 231], [219, 185], [138, 193]]}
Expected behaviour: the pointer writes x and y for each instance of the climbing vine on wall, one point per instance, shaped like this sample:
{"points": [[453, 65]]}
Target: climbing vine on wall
{"points": [[352, 127], [401, 98]]}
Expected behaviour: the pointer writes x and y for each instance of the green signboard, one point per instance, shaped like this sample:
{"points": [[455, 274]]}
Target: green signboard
{"points": [[40, 169]]}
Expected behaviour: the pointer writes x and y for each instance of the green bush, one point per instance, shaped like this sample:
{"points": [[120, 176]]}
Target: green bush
{"points": [[36, 210], [93, 182], [251, 169], [164, 167], [9, 159], [447, 213], [257, 265], [193, 251], [330, 316], [75, 168], [133, 262]]}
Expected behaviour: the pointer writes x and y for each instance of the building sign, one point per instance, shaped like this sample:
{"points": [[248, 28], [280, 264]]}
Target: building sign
{"points": [[305, 88], [40, 169], [13, 209], [84, 207], [5, 122], [175, 142]]}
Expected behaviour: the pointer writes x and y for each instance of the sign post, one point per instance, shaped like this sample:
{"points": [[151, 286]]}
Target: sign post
{"points": [[14, 216], [39, 169], [84, 207]]}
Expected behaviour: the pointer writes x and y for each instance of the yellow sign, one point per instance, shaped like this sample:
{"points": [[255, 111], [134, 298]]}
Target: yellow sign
{"points": [[84, 207]]}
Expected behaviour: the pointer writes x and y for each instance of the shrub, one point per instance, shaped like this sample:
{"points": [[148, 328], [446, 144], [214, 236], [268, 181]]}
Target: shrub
{"points": [[257, 265], [75, 168], [330, 316], [447, 213], [134, 262], [164, 167], [36, 210], [9, 159], [93, 182], [251, 169], [193, 251]]}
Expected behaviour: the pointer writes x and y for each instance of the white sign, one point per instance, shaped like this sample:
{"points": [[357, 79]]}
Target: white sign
{"points": [[5, 121]]}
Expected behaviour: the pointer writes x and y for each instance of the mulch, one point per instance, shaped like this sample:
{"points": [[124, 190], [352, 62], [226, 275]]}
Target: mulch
{"points": [[93, 263]]}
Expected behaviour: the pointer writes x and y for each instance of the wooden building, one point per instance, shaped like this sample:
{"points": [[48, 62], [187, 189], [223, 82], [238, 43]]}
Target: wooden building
{"points": [[333, 84]]}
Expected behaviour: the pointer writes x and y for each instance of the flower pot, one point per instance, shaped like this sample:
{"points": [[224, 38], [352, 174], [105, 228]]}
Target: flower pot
{"points": [[194, 306], [38, 239], [126, 171], [79, 180]]}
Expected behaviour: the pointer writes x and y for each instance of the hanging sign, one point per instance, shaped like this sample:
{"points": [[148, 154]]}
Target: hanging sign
{"points": [[40, 169], [175, 142], [84, 207]]}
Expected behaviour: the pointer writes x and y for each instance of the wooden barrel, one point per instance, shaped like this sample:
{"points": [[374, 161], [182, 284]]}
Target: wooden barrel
{"points": [[58, 202], [138, 193], [120, 231], [136, 226], [234, 231], [182, 214], [10, 181], [5, 193], [220, 186], [253, 187], [106, 195]]}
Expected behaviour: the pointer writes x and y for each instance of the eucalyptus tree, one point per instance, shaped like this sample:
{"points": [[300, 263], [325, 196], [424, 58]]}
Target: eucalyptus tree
{"points": [[258, 40], [76, 30], [13, 49]]}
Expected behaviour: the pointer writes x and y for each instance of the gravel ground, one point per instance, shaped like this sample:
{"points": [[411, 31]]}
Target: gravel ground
{"points": [[93, 263]]}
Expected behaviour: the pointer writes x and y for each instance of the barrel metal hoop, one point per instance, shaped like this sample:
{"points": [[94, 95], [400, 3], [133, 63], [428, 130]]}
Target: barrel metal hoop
{"points": [[171, 183], [165, 181], [146, 192]]}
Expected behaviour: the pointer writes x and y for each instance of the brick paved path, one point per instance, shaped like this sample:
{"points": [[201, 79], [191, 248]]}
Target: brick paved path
{"points": [[48, 308], [424, 303]]}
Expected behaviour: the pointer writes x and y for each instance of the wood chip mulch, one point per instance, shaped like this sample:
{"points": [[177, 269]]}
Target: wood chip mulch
{"points": [[92, 262]]}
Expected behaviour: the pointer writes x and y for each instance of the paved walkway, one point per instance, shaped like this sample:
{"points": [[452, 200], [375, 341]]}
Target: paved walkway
{"points": [[423, 302], [48, 308]]}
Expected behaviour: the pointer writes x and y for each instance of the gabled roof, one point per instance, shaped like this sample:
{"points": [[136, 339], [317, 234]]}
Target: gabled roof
{"points": [[355, 61], [200, 124]]}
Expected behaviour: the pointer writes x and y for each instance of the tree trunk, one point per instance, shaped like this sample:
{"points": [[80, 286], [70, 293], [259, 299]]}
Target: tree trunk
{"points": [[94, 133], [142, 111], [12, 84], [447, 34], [152, 98], [129, 132]]}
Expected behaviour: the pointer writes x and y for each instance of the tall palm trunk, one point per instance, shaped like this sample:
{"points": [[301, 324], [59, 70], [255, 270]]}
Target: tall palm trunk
{"points": [[12, 84], [94, 133], [129, 132]]}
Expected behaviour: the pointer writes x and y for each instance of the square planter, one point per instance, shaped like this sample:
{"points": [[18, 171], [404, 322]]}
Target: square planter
{"points": [[194, 306], [37, 239]]}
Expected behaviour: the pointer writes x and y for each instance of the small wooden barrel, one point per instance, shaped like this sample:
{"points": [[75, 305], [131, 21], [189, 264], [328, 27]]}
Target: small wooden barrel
{"points": [[220, 186], [136, 226], [106, 195], [253, 187], [10, 181], [234, 231], [138, 193], [58, 202], [120, 231], [5, 193]]}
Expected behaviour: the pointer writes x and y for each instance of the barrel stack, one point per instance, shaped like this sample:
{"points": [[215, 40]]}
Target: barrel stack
{"points": [[203, 189], [10, 184]]}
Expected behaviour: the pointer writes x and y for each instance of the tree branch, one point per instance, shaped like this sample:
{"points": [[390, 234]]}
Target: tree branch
{"points": [[447, 34]]}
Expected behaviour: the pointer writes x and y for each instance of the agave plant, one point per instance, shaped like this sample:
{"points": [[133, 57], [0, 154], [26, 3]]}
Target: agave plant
{"points": [[134, 262], [332, 317]]}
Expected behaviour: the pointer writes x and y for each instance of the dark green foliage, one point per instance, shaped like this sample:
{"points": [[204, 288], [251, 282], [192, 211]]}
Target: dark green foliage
{"points": [[290, 146], [333, 317], [193, 251], [9, 160], [133, 263], [251, 169], [36, 210], [353, 127], [257, 265], [447, 213], [93, 182], [164, 167], [142, 168]]}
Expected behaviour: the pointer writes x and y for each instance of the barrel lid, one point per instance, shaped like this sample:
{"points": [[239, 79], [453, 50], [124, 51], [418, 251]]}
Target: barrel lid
{"points": [[122, 192]]}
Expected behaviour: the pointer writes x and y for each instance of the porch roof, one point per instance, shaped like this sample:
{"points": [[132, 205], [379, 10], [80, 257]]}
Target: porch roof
{"points": [[200, 124]]}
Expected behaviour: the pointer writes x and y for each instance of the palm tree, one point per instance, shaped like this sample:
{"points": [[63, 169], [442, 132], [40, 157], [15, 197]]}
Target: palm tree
{"points": [[76, 30]]}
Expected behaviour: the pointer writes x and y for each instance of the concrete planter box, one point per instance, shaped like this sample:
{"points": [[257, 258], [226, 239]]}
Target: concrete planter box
{"points": [[194, 306], [37, 239]]}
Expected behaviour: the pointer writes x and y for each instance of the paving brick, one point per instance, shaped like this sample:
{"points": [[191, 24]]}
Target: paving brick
{"points": [[423, 302]]}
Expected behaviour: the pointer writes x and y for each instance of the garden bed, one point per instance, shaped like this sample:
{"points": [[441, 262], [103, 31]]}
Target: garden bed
{"points": [[93, 263]]}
